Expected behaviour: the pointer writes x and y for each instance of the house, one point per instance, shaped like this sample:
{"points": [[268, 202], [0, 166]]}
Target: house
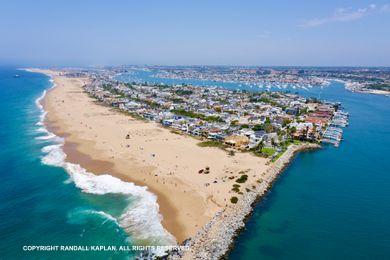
{"points": [[292, 111], [167, 122], [237, 141]]}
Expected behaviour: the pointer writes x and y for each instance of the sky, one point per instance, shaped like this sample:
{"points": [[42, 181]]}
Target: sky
{"points": [[199, 32]]}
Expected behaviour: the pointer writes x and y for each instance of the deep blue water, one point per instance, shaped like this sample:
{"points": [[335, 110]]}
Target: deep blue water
{"points": [[38, 205], [329, 204], [333, 203]]}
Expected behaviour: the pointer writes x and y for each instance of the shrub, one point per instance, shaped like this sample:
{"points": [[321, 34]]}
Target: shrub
{"points": [[233, 200], [210, 144], [243, 178], [236, 189]]}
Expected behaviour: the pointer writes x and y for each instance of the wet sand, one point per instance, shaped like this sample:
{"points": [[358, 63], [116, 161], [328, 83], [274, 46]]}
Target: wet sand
{"points": [[153, 156]]}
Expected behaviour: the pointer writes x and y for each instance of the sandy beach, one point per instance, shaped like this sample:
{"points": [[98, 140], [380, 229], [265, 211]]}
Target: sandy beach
{"points": [[152, 156]]}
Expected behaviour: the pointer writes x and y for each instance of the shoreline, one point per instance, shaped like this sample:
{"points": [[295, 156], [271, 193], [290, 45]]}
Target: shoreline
{"points": [[71, 161], [356, 87], [183, 212], [220, 230], [218, 237]]}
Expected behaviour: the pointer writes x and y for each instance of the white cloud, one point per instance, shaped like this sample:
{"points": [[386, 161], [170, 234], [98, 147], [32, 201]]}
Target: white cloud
{"points": [[346, 15]]}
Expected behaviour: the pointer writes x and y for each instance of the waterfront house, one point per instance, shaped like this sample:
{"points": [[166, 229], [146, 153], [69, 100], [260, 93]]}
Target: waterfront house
{"points": [[237, 141]]}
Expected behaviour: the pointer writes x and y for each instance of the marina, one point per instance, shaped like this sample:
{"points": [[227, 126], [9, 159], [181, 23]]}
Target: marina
{"points": [[334, 132]]}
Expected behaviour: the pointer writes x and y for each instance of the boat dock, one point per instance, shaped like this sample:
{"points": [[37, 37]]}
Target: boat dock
{"points": [[334, 132]]}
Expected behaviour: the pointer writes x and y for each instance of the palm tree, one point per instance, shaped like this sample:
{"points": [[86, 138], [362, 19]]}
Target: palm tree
{"points": [[292, 131], [260, 146]]}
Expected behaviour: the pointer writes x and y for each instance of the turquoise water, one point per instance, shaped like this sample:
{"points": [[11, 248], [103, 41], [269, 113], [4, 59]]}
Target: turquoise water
{"points": [[329, 204], [39, 205], [333, 203]]}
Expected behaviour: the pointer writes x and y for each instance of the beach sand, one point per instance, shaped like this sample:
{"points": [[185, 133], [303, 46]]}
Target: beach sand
{"points": [[167, 163]]}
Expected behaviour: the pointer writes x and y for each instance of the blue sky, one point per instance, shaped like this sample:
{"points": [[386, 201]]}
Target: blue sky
{"points": [[242, 32]]}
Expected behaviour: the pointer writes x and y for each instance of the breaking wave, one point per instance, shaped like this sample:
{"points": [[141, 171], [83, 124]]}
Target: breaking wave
{"points": [[141, 218], [80, 216]]}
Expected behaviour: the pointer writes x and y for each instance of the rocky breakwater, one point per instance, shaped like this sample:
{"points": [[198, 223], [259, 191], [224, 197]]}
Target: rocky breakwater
{"points": [[214, 240]]}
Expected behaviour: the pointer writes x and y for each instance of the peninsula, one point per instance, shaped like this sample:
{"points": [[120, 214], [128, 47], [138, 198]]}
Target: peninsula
{"points": [[207, 169]]}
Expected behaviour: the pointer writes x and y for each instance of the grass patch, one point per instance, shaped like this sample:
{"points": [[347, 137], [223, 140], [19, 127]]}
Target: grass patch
{"points": [[268, 151], [278, 156], [211, 144], [174, 131]]}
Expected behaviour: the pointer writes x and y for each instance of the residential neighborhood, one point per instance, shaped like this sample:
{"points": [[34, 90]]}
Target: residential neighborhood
{"points": [[262, 122]]}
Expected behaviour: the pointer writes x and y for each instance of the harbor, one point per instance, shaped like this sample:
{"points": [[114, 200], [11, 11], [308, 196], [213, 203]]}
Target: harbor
{"points": [[334, 132]]}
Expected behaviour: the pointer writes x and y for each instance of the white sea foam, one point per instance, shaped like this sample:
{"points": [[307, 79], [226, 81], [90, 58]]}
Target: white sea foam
{"points": [[42, 130], [46, 137], [141, 219], [79, 216]]}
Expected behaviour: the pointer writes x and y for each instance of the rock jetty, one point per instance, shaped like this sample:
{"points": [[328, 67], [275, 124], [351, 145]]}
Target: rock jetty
{"points": [[215, 239]]}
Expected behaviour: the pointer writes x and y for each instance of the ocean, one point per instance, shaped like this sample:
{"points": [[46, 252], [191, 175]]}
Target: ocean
{"points": [[329, 204], [333, 203], [46, 201]]}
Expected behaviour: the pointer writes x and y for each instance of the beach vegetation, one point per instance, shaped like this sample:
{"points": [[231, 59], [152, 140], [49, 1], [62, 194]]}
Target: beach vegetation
{"points": [[174, 131], [236, 189], [277, 156], [211, 144], [234, 200], [243, 178], [268, 151]]}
